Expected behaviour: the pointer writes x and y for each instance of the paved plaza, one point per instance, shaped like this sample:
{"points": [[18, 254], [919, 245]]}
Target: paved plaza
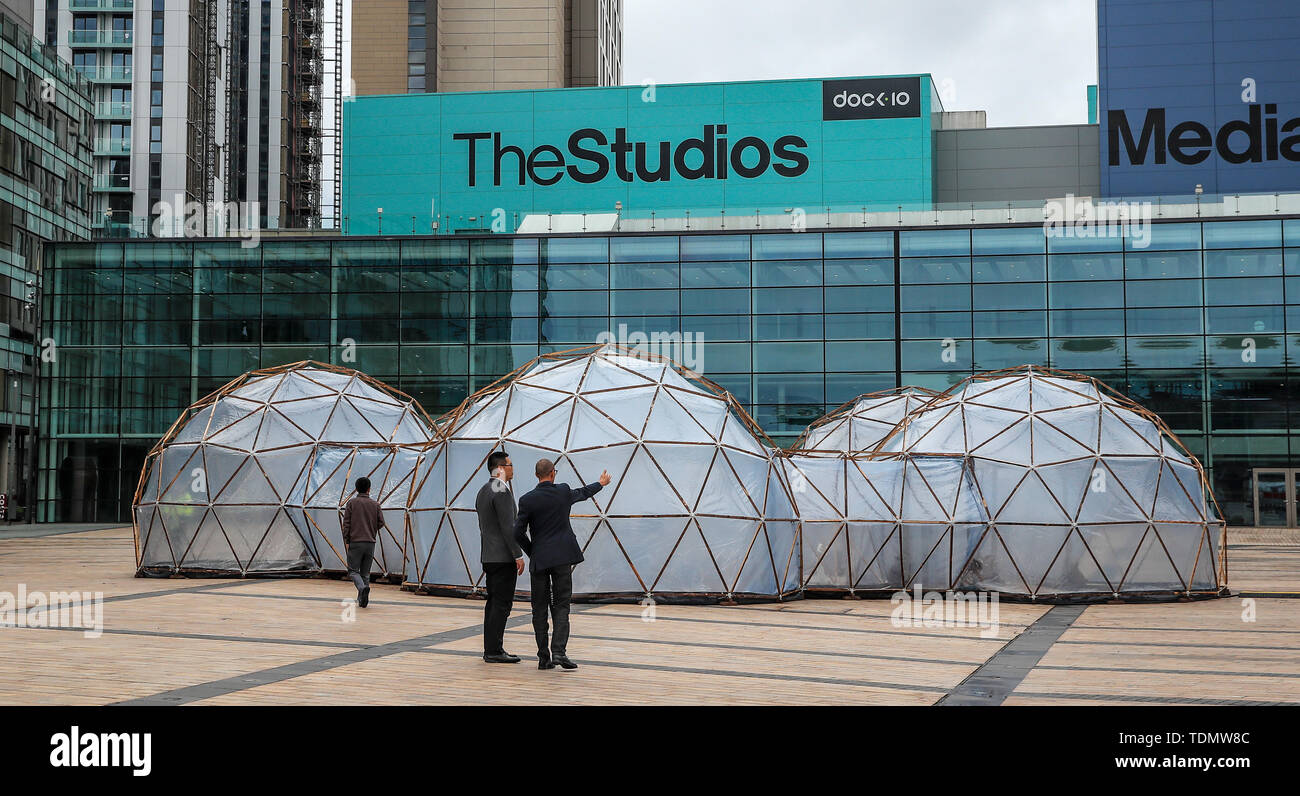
{"points": [[287, 642]]}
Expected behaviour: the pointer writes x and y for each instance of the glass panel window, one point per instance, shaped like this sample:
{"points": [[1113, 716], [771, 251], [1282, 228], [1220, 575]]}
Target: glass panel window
{"points": [[787, 357], [1242, 234], [931, 243], [839, 245]]}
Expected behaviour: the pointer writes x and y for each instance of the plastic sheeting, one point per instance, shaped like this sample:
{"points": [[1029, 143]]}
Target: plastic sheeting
{"points": [[861, 424], [1028, 482], [253, 478], [697, 506]]}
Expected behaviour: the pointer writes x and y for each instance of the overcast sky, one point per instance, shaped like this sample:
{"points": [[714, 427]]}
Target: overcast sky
{"points": [[1026, 62]]}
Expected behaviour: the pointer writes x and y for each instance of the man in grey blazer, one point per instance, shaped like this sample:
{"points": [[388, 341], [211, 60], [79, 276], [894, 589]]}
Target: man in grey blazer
{"points": [[502, 559]]}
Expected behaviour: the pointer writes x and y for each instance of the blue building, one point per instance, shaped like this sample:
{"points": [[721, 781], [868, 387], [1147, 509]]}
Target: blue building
{"points": [[1199, 92]]}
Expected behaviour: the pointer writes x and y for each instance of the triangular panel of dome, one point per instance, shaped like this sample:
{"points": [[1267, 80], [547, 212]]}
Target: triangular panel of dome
{"points": [[730, 541], [990, 567], [219, 465], [1051, 446], [736, 435], [875, 556], [670, 421], [1182, 543], [826, 554], [349, 424], [259, 389], [245, 527], [926, 555], [727, 492], [1151, 570], [154, 549], [1069, 481], [709, 411], [648, 541], [283, 547], [759, 575], [1034, 548], [209, 548], [605, 568], [1031, 502], [1074, 571], [194, 428], [605, 375], [183, 479], [1048, 394], [687, 467], [591, 429], [690, 568], [628, 408], [643, 490], [297, 385], [1113, 546], [563, 375]]}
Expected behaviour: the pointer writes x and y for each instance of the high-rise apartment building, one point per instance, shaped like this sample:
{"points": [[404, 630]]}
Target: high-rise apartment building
{"points": [[216, 102], [45, 179], [484, 45]]}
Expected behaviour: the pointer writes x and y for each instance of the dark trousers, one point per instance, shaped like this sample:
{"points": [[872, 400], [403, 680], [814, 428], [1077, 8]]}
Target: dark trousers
{"points": [[552, 591], [361, 557], [501, 579]]}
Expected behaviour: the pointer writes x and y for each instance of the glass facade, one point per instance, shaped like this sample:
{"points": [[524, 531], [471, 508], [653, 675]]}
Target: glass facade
{"points": [[45, 186], [1202, 325]]}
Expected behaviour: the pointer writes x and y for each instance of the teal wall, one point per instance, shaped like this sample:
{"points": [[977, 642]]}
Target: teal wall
{"points": [[400, 154]]}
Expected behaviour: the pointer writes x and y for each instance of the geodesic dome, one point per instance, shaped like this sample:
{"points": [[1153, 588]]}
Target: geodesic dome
{"points": [[252, 478], [850, 506], [859, 425], [697, 508], [1085, 492]]}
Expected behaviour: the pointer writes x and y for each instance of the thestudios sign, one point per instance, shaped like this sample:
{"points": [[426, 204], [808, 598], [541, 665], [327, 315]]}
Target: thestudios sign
{"points": [[871, 98], [1262, 137], [591, 155]]}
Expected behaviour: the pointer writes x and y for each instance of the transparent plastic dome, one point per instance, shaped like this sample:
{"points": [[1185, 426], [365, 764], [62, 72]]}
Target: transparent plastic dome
{"points": [[1085, 491], [859, 425], [697, 507], [253, 477]]}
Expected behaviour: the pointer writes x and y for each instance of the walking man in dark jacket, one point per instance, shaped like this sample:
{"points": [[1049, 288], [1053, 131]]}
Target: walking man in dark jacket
{"points": [[503, 561], [362, 519], [553, 550]]}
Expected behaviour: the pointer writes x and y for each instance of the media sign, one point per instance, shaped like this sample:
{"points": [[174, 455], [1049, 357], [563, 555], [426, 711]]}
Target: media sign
{"points": [[1209, 99]]}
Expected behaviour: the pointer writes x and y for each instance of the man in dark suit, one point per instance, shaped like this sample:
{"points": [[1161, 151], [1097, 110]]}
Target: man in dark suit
{"points": [[553, 550], [503, 561]]}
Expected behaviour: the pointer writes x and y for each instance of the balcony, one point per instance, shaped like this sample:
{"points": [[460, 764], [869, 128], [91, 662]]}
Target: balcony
{"points": [[106, 74], [105, 147], [112, 110], [101, 6], [100, 38], [112, 183]]}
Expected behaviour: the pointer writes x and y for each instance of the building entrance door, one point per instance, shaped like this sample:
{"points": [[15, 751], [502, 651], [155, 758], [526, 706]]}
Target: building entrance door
{"points": [[1275, 498]]}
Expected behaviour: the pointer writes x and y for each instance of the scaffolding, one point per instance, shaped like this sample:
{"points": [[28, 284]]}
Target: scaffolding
{"points": [[306, 115], [211, 73]]}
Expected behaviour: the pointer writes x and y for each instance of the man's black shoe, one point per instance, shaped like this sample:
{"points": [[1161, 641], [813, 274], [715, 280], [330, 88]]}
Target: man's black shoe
{"points": [[545, 663], [503, 657], [363, 599], [564, 662]]}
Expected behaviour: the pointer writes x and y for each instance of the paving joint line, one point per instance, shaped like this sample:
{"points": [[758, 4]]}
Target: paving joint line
{"points": [[993, 682]]}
